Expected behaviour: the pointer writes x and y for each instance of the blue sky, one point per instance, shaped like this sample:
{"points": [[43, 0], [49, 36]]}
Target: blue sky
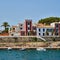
{"points": [[15, 11]]}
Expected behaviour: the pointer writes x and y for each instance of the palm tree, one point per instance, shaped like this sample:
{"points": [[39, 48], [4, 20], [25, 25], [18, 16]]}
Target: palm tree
{"points": [[5, 25]]}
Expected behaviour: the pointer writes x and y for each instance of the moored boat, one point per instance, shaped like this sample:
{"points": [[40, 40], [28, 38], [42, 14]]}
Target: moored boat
{"points": [[9, 48], [40, 49]]}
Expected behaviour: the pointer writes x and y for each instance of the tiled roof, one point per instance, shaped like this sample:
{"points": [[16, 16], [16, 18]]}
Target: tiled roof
{"points": [[43, 26]]}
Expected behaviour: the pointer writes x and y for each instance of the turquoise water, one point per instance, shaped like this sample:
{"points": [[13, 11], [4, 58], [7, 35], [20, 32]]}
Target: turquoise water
{"points": [[29, 55]]}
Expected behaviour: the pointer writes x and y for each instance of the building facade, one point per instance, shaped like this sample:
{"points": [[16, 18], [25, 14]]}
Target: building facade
{"points": [[23, 29], [13, 31], [43, 30], [57, 29], [27, 26], [29, 29]]}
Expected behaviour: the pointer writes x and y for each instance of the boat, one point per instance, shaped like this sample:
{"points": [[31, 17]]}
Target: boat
{"points": [[22, 48], [9, 48], [40, 49]]}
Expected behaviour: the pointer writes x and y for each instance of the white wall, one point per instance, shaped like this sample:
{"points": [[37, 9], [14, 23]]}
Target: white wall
{"points": [[41, 31], [52, 24]]}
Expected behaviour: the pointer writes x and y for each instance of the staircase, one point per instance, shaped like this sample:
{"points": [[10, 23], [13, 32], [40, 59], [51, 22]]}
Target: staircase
{"points": [[41, 38]]}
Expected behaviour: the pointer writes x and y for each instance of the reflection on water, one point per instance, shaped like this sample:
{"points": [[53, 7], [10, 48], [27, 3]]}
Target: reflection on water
{"points": [[29, 55]]}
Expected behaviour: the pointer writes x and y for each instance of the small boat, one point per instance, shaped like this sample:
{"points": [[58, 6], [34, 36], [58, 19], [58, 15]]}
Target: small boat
{"points": [[22, 48], [40, 49], [9, 48]]}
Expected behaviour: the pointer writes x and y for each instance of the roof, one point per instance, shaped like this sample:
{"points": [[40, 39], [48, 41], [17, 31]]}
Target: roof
{"points": [[44, 26], [14, 26], [34, 24], [28, 20]]}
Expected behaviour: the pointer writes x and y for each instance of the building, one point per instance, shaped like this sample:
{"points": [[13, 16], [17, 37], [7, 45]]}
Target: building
{"points": [[13, 31], [29, 29], [27, 26], [57, 29], [56, 26], [34, 30], [23, 29], [20, 26], [44, 30]]}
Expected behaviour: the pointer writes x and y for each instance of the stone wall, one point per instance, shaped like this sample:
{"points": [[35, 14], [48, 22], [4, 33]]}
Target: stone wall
{"points": [[52, 38], [16, 39], [25, 39]]}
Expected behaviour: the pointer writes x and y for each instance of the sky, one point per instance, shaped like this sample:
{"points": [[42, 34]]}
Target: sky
{"points": [[16, 11]]}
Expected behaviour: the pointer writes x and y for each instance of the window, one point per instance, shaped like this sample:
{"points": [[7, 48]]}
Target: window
{"points": [[56, 30], [39, 33], [21, 28], [49, 30], [56, 25], [21, 24], [28, 28], [43, 34], [39, 30], [12, 34], [56, 33], [28, 23], [13, 28], [43, 30]]}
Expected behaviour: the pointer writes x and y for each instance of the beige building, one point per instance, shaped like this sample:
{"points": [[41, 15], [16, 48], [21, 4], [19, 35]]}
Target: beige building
{"points": [[13, 31]]}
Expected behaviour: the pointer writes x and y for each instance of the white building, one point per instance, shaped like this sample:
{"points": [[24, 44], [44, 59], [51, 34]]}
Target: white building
{"points": [[20, 27], [53, 24], [44, 30]]}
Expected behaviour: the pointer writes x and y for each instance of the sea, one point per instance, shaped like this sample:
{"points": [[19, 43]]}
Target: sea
{"points": [[30, 54]]}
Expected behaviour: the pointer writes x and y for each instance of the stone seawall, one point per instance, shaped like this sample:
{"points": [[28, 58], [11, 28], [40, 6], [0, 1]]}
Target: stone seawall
{"points": [[21, 42], [25, 41], [8, 39], [52, 38], [17, 39]]}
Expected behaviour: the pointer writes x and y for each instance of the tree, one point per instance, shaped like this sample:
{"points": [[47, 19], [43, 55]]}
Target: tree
{"points": [[49, 20], [5, 25]]}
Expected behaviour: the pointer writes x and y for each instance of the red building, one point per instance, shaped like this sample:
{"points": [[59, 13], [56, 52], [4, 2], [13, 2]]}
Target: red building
{"points": [[27, 27], [57, 29]]}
